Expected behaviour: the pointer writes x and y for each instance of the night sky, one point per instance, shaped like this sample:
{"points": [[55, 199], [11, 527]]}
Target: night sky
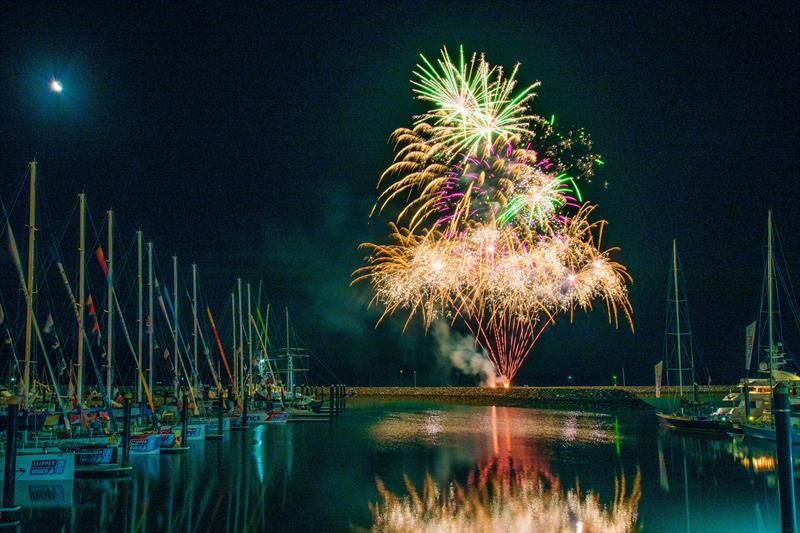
{"points": [[248, 139]]}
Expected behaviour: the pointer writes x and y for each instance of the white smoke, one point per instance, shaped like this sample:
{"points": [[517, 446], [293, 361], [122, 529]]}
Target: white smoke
{"points": [[460, 351]]}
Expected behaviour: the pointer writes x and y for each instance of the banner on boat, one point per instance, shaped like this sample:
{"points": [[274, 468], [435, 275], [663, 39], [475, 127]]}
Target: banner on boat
{"points": [[659, 367], [47, 467], [750, 338]]}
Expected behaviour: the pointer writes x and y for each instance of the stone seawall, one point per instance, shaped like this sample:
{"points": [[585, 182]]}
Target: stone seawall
{"points": [[548, 397], [603, 398]]}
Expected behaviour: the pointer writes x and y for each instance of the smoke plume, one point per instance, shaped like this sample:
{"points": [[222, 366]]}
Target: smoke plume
{"points": [[461, 352]]}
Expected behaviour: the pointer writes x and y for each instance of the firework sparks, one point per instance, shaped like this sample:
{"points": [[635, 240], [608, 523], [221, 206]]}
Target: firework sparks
{"points": [[474, 103], [493, 229]]}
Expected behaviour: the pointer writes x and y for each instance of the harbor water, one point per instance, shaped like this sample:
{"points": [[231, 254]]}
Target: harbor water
{"points": [[580, 468]]}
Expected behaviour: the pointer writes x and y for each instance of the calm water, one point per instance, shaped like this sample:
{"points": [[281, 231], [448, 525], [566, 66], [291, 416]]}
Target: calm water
{"points": [[321, 477]]}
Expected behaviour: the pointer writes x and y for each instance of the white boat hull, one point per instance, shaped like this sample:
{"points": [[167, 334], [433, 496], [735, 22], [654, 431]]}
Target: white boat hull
{"points": [[43, 466], [212, 425], [196, 431], [145, 444]]}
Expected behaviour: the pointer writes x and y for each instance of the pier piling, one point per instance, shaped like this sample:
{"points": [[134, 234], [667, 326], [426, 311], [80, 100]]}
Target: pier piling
{"points": [[244, 410], [185, 422], [332, 404], [126, 431], [746, 394], [783, 436], [11, 456], [219, 416]]}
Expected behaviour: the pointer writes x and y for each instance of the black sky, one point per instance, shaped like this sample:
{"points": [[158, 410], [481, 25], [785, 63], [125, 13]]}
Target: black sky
{"points": [[248, 138]]}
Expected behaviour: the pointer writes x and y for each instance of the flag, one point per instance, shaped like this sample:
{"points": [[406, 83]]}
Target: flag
{"points": [[658, 368], [96, 327], [101, 258], [12, 248], [148, 324], [749, 340], [55, 344], [90, 305], [62, 365], [166, 353], [48, 325]]}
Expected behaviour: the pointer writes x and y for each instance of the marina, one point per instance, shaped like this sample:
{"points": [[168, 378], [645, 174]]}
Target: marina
{"points": [[407, 267]]}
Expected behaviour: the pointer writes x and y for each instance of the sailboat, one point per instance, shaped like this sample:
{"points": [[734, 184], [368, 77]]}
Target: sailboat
{"points": [[90, 454], [678, 341], [268, 414], [760, 423]]}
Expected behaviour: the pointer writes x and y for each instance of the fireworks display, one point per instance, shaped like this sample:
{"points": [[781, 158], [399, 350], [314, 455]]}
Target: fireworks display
{"points": [[492, 229]]}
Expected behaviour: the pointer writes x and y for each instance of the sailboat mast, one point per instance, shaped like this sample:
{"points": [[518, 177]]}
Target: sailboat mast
{"points": [[266, 347], [770, 266], [233, 330], [139, 317], [289, 358], [195, 323], [249, 338], [81, 294], [110, 309], [241, 337], [677, 315], [29, 297], [175, 323], [151, 326]]}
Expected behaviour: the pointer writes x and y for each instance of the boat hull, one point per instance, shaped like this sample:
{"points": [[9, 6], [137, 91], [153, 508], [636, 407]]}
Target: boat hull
{"points": [[44, 466], [170, 437], [277, 417], [195, 431], [767, 433], [695, 425], [271, 417], [145, 444], [212, 426], [98, 460]]}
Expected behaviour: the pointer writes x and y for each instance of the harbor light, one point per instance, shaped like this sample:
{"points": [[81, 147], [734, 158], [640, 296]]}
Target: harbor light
{"points": [[56, 86]]}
